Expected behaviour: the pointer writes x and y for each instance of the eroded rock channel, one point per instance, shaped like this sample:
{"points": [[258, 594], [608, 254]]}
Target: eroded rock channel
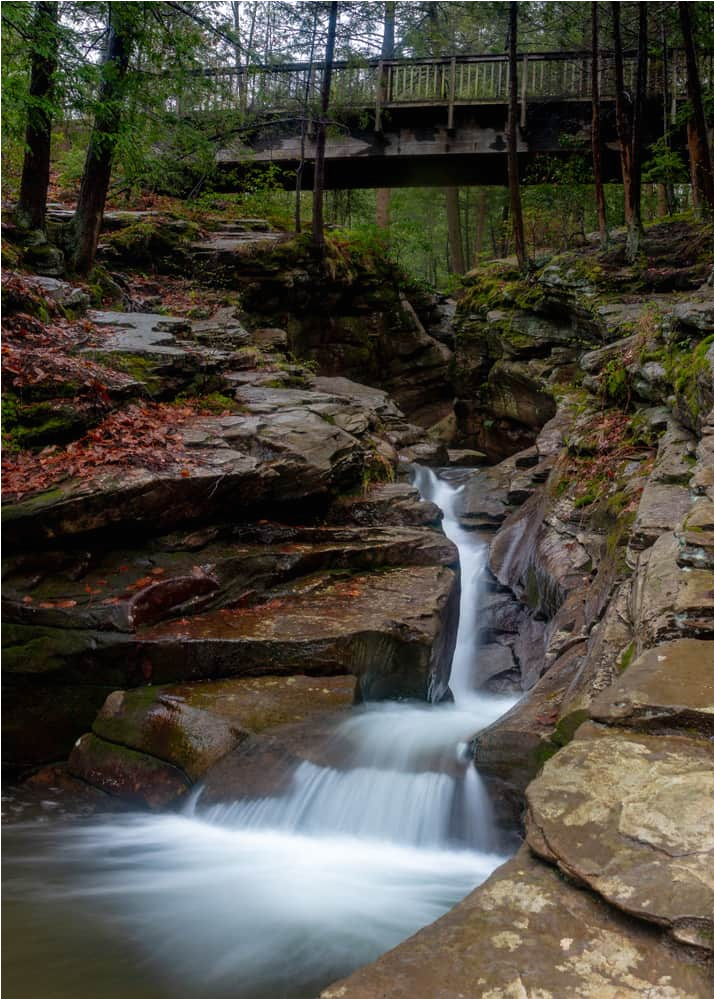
{"points": [[260, 741]]}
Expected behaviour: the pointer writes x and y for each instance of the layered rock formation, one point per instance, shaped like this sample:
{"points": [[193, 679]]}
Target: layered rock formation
{"points": [[601, 599], [258, 552]]}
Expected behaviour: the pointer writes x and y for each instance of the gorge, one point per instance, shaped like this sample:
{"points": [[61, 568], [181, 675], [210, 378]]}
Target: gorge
{"points": [[186, 634]]}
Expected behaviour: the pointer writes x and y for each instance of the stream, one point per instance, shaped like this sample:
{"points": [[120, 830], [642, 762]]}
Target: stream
{"points": [[274, 897]]}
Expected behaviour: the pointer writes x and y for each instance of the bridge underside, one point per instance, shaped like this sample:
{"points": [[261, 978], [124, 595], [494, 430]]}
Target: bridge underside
{"points": [[417, 148]]}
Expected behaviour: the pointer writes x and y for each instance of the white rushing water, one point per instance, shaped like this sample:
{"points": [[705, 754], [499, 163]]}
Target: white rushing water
{"points": [[276, 897]]}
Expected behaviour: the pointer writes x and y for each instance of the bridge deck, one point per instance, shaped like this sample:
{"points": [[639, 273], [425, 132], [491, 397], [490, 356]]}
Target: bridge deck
{"points": [[450, 81]]}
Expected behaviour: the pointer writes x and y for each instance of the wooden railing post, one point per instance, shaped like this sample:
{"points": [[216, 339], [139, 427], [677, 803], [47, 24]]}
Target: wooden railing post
{"points": [[452, 90], [525, 71]]}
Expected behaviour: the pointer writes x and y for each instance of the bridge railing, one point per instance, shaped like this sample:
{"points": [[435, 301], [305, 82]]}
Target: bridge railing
{"points": [[459, 80]]}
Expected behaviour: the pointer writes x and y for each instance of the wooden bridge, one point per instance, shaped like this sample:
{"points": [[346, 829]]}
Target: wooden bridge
{"points": [[434, 121]]}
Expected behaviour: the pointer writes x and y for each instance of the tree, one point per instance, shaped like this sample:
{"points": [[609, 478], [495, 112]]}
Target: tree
{"points": [[382, 196], [35, 180], [87, 222], [596, 125], [454, 231], [622, 119], [634, 235], [318, 239], [699, 149], [513, 163]]}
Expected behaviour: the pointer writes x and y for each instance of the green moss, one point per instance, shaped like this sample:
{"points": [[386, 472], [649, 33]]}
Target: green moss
{"points": [[532, 588], [626, 657], [35, 650], [567, 726], [146, 241], [544, 752], [141, 368]]}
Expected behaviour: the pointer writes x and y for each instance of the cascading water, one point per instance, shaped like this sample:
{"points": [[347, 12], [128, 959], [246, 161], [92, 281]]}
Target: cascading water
{"points": [[277, 896]]}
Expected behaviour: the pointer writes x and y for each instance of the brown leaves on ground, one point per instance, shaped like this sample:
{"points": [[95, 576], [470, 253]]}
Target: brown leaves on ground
{"points": [[44, 353], [179, 296], [610, 446], [141, 436]]}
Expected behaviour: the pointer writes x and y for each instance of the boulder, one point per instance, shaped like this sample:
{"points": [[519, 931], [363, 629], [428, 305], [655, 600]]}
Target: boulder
{"points": [[134, 777], [526, 932], [630, 815], [668, 688], [192, 726], [670, 602], [393, 630], [242, 463]]}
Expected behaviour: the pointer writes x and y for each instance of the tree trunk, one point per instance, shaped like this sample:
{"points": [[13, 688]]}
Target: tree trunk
{"points": [[701, 165], [87, 221], [319, 176], [513, 164], [32, 202], [662, 201], [623, 127], [634, 237], [304, 126], [454, 231], [382, 203], [479, 229], [382, 208], [596, 126]]}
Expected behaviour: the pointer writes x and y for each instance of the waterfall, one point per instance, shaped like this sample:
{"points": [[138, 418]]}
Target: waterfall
{"points": [[278, 896]]}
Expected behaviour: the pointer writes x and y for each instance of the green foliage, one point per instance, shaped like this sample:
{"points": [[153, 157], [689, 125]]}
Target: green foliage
{"points": [[615, 383], [665, 165]]}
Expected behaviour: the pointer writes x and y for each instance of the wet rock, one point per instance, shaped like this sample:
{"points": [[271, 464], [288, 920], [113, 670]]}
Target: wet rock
{"points": [[630, 815], [669, 602], [53, 791], [526, 932], [246, 463], [77, 624], [263, 765], [514, 748], [394, 631], [466, 458], [494, 659], [385, 504], [192, 726], [66, 295], [667, 688], [662, 508], [133, 777]]}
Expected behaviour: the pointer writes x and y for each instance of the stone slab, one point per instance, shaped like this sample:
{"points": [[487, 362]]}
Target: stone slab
{"points": [[668, 687], [526, 932], [630, 815]]}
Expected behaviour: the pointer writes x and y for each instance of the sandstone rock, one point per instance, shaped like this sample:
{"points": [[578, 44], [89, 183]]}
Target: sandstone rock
{"points": [[662, 508], [244, 463], [630, 815], [526, 932], [468, 458], [385, 504], [66, 295], [668, 688], [669, 602], [394, 631], [192, 726], [263, 765], [134, 777], [77, 623], [514, 748]]}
